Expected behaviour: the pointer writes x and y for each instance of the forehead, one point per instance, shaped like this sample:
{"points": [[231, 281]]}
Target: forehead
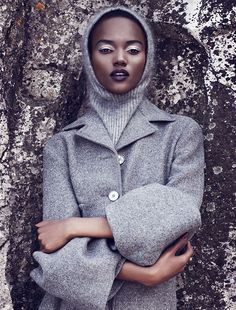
{"points": [[117, 27]]}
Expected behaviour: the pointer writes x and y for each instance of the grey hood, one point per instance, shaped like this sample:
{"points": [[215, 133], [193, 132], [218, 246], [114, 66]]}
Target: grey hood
{"points": [[115, 110], [92, 83]]}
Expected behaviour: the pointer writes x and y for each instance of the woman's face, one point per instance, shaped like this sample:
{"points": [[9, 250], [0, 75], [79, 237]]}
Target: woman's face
{"points": [[118, 54]]}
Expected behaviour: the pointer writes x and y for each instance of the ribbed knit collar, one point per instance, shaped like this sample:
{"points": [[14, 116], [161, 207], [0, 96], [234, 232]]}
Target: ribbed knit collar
{"points": [[115, 110]]}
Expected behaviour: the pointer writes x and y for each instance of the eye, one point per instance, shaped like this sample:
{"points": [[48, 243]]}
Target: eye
{"points": [[105, 50], [133, 51]]}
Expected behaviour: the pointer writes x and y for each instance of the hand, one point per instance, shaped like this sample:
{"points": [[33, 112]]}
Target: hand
{"points": [[53, 234], [169, 265]]}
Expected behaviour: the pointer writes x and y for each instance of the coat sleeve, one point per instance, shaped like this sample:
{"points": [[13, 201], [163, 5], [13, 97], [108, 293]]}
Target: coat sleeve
{"points": [[82, 272], [145, 220]]}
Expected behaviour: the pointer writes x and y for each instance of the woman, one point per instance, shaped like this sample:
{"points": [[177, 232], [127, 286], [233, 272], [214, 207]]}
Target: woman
{"points": [[126, 176]]}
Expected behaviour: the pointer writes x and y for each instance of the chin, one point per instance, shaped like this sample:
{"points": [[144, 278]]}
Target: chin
{"points": [[119, 91]]}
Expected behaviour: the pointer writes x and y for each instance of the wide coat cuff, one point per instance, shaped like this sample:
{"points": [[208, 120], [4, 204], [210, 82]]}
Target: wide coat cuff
{"points": [[81, 273], [146, 220]]}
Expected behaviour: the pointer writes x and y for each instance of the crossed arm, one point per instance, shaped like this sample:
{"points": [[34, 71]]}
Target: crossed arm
{"points": [[54, 234], [175, 203]]}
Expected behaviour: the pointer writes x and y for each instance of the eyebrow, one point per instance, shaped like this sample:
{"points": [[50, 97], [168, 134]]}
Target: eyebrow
{"points": [[112, 42]]}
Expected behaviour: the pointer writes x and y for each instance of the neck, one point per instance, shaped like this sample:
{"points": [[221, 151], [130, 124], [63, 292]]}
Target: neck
{"points": [[115, 110]]}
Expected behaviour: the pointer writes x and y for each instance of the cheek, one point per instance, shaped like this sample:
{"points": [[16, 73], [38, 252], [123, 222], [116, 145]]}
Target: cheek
{"points": [[139, 66], [97, 66], [99, 63], [100, 69]]}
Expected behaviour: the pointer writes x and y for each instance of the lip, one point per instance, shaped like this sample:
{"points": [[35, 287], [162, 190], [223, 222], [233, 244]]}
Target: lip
{"points": [[119, 75]]}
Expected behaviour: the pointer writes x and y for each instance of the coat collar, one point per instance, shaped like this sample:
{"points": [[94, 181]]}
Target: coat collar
{"points": [[140, 125]]}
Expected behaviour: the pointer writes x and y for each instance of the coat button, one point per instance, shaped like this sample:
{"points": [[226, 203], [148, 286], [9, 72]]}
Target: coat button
{"points": [[121, 159], [113, 196]]}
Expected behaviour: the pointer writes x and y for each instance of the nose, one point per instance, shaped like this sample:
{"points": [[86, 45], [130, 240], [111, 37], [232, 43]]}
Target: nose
{"points": [[120, 58]]}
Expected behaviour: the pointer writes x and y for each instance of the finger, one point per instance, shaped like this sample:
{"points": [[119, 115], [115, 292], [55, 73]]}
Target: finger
{"points": [[42, 229], [184, 235], [189, 252], [42, 236], [42, 223], [39, 224], [44, 247], [190, 247], [180, 243], [182, 269]]}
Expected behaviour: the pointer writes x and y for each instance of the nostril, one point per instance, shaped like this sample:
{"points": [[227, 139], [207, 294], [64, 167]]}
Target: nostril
{"points": [[120, 62]]}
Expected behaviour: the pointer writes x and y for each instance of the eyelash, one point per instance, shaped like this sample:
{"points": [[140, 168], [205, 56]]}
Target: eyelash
{"points": [[135, 52], [105, 50], [131, 51]]}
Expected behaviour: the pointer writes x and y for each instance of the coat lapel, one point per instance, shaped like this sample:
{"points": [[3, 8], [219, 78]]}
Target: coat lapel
{"points": [[137, 128], [90, 126], [140, 125]]}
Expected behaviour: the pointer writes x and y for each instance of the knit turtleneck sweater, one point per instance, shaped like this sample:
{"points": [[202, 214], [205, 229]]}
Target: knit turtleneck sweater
{"points": [[115, 110]]}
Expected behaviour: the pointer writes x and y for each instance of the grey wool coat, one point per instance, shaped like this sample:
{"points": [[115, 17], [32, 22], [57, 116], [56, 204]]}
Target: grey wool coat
{"points": [[150, 189]]}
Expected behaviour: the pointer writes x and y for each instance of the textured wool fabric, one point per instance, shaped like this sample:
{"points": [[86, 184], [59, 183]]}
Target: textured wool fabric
{"points": [[116, 110], [159, 187]]}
